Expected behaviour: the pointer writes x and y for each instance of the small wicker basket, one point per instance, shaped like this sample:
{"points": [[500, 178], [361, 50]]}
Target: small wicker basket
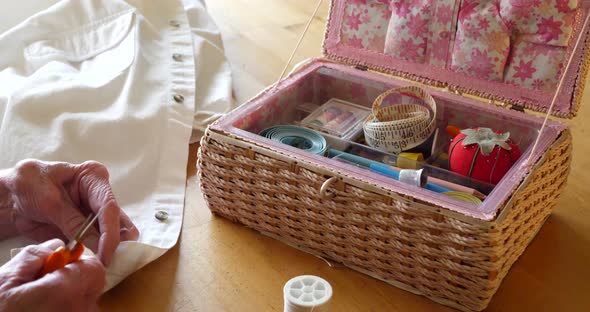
{"points": [[451, 256], [394, 238]]}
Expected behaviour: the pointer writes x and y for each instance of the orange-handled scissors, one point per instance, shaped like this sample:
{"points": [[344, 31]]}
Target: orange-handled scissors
{"points": [[71, 252]]}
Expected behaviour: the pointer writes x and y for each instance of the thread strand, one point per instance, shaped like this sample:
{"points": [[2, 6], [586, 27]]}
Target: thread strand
{"points": [[313, 15], [559, 86]]}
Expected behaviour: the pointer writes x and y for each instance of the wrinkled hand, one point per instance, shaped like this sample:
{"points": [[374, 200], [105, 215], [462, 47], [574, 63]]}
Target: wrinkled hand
{"points": [[52, 200], [76, 287]]}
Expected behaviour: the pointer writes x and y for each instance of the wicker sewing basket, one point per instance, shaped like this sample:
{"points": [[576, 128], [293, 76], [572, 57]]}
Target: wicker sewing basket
{"points": [[453, 258]]}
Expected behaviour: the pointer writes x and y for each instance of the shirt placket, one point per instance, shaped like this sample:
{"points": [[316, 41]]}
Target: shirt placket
{"points": [[180, 101]]}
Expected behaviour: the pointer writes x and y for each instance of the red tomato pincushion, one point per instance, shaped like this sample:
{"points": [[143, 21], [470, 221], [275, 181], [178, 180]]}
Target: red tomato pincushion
{"points": [[483, 154]]}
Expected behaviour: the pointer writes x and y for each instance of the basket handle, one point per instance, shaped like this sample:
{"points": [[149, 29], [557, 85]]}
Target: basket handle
{"points": [[325, 186]]}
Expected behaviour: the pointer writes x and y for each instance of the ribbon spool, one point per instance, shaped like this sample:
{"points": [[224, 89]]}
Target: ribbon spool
{"points": [[307, 293], [466, 197], [404, 125], [299, 137]]}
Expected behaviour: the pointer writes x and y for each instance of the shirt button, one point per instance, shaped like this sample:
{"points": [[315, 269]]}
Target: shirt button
{"points": [[177, 57], [178, 98], [161, 215], [174, 23], [444, 34]]}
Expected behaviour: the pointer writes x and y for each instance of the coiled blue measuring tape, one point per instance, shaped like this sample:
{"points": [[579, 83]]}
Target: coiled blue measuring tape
{"points": [[313, 142], [299, 137]]}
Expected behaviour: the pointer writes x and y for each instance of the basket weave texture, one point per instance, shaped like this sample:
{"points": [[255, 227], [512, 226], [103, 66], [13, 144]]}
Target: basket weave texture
{"points": [[451, 261]]}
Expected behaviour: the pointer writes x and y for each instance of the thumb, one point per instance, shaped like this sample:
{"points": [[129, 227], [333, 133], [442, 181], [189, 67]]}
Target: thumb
{"points": [[27, 264]]}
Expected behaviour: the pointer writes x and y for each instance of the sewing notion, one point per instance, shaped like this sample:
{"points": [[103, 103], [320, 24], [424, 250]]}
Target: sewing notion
{"points": [[298, 137], [307, 293], [401, 119], [483, 154]]}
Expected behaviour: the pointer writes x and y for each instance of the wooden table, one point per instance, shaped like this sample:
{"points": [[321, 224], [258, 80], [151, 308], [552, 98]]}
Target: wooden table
{"points": [[221, 266]]}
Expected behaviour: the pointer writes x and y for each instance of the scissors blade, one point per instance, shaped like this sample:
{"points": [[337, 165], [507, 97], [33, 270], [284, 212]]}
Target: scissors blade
{"points": [[86, 226], [82, 227]]}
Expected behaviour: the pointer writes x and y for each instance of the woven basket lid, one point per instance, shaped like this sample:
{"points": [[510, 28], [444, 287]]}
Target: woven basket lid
{"points": [[510, 52]]}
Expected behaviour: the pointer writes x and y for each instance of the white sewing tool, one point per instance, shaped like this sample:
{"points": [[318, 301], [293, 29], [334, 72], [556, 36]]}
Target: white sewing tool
{"points": [[307, 293]]}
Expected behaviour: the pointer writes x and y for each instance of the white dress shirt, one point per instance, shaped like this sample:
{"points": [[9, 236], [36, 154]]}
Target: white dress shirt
{"points": [[120, 82]]}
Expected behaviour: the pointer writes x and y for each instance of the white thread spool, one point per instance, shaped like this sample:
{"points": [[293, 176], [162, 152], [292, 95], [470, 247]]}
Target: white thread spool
{"points": [[307, 293]]}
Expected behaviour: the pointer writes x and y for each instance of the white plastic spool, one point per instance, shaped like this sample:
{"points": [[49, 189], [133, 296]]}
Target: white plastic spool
{"points": [[307, 293]]}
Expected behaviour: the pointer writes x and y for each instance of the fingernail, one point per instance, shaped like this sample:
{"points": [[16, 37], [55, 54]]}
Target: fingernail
{"points": [[129, 234]]}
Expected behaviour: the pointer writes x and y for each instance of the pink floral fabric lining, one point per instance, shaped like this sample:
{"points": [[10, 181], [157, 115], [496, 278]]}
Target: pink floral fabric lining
{"points": [[519, 42], [541, 21], [482, 43], [419, 31], [365, 24], [535, 66]]}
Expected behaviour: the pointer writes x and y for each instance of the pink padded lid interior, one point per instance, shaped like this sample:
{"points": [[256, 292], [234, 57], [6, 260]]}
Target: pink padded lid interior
{"points": [[512, 51]]}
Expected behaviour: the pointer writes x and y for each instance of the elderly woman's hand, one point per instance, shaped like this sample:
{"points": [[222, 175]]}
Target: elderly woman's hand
{"points": [[52, 200], [76, 287]]}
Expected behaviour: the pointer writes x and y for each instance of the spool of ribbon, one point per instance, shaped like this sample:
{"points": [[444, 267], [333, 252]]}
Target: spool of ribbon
{"points": [[466, 197], [406, 124], [299, 137]]}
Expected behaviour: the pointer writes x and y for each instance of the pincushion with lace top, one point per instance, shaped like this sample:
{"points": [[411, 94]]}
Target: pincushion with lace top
{"points": [[483, 154]]}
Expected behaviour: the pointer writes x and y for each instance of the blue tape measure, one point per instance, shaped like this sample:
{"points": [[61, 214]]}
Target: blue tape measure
{"points": [[298, 137]]}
